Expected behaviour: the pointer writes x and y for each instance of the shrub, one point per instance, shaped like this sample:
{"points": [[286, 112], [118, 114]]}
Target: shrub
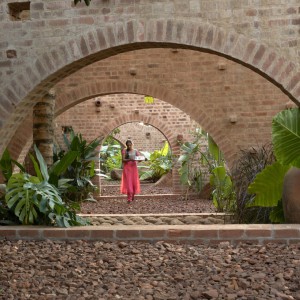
{"points": [[158, 163], [250, 163]]}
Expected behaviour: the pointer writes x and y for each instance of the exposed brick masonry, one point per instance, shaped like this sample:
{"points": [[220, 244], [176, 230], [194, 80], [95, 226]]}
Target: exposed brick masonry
{"points": [[207, 234], [45, 53]]}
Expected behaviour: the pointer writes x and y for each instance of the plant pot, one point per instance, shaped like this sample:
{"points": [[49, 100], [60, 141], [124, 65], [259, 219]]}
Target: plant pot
{"points": [[291, 196]]}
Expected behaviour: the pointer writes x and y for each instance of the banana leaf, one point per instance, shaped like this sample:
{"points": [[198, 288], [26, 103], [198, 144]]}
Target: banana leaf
{"points": [[267, 185], [286, 136]]}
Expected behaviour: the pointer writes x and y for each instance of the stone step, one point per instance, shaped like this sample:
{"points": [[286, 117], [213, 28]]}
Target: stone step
{"points": [[156, 215], [136, 197], [118, 185], [159, 219]]}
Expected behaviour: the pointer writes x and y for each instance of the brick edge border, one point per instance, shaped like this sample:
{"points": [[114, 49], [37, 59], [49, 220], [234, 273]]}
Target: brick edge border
{"points": [[207, 234]]}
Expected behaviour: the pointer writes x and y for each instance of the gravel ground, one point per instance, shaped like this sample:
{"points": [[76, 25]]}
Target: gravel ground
{"points": [[138, 270], [147, 206], [151, 205], [135, 270]]}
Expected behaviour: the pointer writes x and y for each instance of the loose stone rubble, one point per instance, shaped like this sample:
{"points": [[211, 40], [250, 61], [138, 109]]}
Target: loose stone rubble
{"points": [[137, 270], [204, 219], [67, 270]]}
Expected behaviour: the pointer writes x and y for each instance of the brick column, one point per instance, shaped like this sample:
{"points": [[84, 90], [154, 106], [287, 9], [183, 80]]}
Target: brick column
{"points": [[96, 179], [43, 130], [177, 187]]}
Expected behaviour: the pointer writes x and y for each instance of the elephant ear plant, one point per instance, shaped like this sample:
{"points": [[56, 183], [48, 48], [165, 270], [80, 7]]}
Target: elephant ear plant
{"points": [[37, 199], [268, 185], [7, 217]]}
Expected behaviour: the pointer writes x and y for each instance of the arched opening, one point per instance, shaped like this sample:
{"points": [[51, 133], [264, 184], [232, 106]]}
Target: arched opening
{"points": [[209, 90], [58, 62], [155, 174]]}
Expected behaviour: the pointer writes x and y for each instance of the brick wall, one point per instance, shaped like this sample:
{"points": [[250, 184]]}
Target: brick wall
{"points": [[260, 39], [89, 119]]}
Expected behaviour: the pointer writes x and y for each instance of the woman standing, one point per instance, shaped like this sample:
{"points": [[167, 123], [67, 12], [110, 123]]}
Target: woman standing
{"points": [[130, 183]]}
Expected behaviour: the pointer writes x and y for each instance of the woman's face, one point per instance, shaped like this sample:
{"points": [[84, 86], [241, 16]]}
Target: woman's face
{"points": [[129, 145]]}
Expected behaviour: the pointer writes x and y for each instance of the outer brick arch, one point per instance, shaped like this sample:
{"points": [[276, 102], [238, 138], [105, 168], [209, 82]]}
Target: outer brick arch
{"points": [[97, 44]]}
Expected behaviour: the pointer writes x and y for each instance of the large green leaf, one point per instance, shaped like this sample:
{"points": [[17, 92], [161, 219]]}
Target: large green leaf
{"points": [[61, 166], [165, 149], [277, 214], [189, 147], [286, 136], [36, 167], [6, 165], [75, 144], [43, 165], [21, 167], [214, 149], [147, 174], [267, 185]]}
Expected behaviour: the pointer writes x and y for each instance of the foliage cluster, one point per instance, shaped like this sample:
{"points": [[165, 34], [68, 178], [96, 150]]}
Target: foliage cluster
{"points": [[195, 159], [110, 154], [52, 195], [258, 175], [81, 168], [268, 185], [158, 163]]}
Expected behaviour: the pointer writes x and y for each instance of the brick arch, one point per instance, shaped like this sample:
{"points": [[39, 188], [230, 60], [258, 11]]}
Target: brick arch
{"points": [[81, 93], [133, 34], [129, 118], [160, 126], [94, 89]]}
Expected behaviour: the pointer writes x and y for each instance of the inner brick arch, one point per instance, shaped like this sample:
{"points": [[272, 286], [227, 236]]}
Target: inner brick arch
{"points": [[160, 126], [60, 61], [84, 92]]}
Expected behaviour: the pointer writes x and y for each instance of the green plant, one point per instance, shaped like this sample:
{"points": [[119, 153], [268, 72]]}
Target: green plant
{"points": [[110, 154], [31, 199], [223, 191], [34, 200], [195, 160], [7, 165], [7, 217], [191, 171], [267, 185], [158, 163], [81, 169]]}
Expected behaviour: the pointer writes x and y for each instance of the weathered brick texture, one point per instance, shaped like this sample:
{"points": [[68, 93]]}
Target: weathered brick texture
{"points": [[56, 39], [208, 234], [147, 136]]}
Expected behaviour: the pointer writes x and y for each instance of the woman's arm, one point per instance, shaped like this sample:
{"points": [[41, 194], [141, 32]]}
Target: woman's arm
{"points": [[124, 159], [139, 154]]}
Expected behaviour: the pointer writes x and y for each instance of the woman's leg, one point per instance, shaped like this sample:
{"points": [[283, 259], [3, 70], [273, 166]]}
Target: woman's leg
{"points": [[129, 197]]}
